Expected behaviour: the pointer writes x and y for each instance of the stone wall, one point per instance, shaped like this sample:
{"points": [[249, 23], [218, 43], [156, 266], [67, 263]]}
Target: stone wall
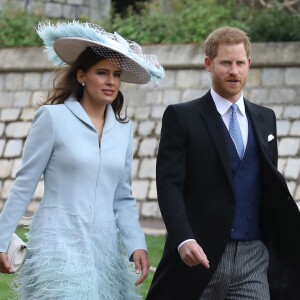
{"points": [[274, 81], [93, 10]]}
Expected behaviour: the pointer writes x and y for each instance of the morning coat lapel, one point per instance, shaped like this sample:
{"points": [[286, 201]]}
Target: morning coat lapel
{"points": [[259, 125], [213, 120]]}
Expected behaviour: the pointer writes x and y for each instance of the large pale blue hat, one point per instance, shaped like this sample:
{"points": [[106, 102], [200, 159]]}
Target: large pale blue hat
{"points": [[65, 41]]}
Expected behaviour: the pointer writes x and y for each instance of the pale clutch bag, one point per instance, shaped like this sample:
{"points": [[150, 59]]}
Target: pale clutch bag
{"points": [[16, 252]]}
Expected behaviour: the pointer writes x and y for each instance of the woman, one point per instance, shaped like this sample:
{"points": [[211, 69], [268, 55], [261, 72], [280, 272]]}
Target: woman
{"points": [[82, 146]]}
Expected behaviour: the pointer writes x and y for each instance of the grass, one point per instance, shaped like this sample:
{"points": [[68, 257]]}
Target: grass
{"points": [[155, 247], [5, 291]]}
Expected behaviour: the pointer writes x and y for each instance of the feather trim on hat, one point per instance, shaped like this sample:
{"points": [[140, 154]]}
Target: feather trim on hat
{"points": [[96, 34]]}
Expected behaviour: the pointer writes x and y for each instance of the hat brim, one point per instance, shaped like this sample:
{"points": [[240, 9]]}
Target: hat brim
{"points": [[68, 49]]}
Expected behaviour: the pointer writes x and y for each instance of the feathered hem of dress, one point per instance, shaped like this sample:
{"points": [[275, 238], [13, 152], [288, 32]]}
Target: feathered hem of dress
{"points": [[54, 271]]}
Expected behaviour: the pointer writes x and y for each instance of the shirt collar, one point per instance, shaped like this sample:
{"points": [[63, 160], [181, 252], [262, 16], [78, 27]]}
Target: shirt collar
{"points": [[223, 105]]}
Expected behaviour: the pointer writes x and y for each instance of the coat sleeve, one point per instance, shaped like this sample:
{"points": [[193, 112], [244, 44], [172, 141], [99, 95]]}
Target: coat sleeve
{"points": [[125, 208], [36, 153], [170, 177]]}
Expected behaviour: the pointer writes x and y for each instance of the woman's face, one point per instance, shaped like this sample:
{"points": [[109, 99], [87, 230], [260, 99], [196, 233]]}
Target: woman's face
{"points": [[101, 82]]}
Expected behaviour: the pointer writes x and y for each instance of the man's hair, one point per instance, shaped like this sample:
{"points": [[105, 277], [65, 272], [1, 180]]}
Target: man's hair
{"points": [[225, 35]]}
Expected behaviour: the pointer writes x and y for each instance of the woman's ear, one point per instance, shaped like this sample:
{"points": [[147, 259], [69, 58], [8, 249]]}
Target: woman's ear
{"points": [[80, 76]]}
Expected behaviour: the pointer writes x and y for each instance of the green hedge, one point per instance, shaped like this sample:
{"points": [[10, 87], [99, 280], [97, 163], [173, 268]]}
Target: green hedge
{"points": [[192, 20], [189, 22], [274, 25], [17, 29]]}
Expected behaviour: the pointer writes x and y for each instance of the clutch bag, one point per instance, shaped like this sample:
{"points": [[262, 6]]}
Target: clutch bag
{"points": [[16, 252]]}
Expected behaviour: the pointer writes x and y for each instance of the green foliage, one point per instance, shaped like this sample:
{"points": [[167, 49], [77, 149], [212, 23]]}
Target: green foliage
{"points": [[190, 21], [187, 21], [274, 25], [17, 28]]}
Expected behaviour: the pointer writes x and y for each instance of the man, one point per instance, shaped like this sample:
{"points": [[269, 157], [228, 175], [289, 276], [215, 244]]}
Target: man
{"points": [[233, 227]]}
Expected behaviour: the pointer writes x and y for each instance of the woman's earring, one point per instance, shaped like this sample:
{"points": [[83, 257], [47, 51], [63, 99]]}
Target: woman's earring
{"points": [[83, 84]]}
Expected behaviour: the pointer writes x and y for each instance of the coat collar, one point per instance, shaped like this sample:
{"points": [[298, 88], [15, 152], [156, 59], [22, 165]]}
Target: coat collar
{"points": [[223, 105], [74, 106]]}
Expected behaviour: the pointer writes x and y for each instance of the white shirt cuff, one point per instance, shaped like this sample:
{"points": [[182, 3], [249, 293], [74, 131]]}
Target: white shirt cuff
{"points": [[181, 244]]}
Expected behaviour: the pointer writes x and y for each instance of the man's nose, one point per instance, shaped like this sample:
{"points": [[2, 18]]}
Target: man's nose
{"points": [[233, 69]]}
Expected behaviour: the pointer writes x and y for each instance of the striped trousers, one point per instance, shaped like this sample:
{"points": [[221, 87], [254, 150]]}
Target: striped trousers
{"points": [[241, 273]]}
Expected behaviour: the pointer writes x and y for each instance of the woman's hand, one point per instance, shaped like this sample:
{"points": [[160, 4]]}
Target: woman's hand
{"points": [[142, 265], [4, 264]]}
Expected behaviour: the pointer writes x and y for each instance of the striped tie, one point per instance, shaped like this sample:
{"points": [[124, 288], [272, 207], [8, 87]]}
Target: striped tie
{"points": [[235, 131]]}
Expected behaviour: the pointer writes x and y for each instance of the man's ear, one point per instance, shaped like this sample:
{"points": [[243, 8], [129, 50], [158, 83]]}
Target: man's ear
{"points": [[208, 64]]}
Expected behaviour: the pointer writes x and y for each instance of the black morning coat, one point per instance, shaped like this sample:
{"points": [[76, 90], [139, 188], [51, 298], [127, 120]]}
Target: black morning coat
{"points": [[196, 200]]}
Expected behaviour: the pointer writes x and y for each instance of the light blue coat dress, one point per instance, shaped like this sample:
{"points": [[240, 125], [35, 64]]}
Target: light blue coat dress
{"points": [[75, 248]]}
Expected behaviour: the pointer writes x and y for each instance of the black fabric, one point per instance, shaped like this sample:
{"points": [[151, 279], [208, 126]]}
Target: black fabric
{"points": [[195, 195]]}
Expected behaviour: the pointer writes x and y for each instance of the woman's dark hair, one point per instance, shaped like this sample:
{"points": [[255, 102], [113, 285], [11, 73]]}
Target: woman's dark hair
{"points": [[66, 84]]}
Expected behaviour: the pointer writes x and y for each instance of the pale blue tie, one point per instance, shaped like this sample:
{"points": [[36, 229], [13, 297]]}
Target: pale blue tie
{"points": [[235, 131]]}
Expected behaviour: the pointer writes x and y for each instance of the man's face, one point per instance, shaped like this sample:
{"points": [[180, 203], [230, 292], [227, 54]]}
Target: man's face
{"points": [[229, 70]]}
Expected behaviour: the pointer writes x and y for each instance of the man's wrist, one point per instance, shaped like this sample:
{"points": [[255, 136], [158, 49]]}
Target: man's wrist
{"points": [[181, 244]]}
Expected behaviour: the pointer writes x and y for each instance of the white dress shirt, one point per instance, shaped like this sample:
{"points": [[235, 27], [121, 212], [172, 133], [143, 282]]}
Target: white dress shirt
{"points": [[223, 107]]}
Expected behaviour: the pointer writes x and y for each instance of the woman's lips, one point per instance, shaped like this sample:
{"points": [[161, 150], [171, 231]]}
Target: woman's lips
{"points": [[108, 92]]}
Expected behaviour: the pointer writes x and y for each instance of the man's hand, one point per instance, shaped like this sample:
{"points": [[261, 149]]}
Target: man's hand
{"points": [[142, 265], [192, 254], [4, 264]]}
